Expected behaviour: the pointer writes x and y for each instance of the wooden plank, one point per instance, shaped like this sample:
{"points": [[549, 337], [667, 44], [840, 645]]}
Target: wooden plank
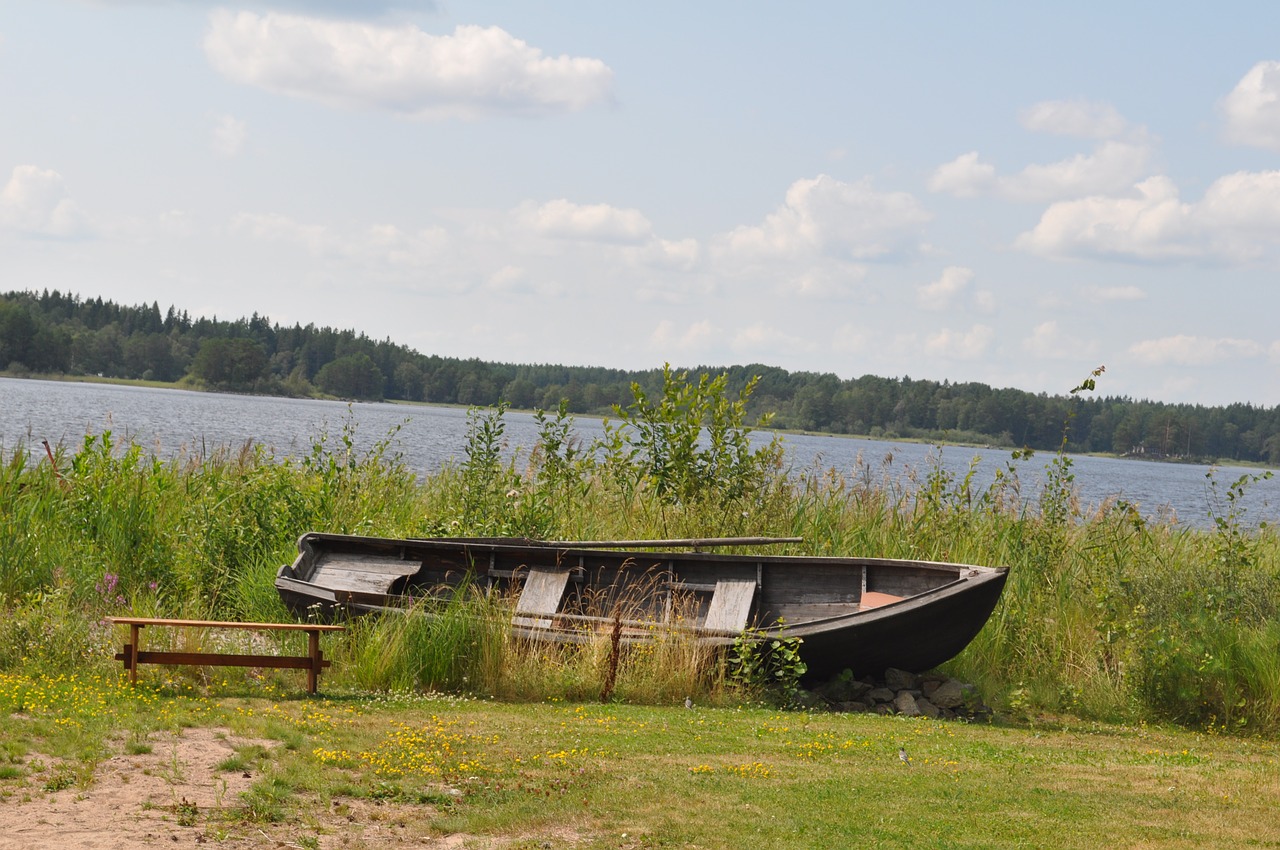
{"points": [[874, 599], [543, 590], [224, 624], [366, 576], [214, 659], [730, 605]]}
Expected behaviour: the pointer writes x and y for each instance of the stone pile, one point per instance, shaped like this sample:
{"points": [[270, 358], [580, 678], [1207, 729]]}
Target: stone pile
{"points": [[930, 694]]}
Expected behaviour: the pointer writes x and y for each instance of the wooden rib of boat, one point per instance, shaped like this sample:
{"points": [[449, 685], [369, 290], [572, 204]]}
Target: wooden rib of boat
{"points": [[861, 614]]}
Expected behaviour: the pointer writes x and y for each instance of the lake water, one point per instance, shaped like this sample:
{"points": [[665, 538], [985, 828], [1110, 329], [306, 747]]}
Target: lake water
{"points": [[172, 421]]}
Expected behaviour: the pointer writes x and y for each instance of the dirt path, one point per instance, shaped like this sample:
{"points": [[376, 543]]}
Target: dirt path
{"points": [[176, 796]]}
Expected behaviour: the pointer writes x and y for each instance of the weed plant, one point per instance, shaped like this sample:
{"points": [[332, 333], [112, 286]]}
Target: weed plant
{"points": [[1106, 615]]}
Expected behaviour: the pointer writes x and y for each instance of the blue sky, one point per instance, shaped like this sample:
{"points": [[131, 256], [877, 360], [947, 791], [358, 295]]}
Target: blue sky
{"points": [[1012, 194]]}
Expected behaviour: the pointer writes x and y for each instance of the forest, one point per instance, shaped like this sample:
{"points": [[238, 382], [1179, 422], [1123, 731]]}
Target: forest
{"points": [[51, 333]]}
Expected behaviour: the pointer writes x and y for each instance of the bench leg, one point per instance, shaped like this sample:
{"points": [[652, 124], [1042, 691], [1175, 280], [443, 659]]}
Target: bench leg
{"points": [[313, 650], [134, 630]]}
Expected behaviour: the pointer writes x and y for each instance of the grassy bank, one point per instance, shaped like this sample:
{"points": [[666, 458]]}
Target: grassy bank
{"points": [[1134, 663], [563, 774], [1109, 616]]}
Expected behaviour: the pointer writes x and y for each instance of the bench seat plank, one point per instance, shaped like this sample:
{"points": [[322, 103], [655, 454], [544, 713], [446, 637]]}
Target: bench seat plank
{"points": [[223, 624]]}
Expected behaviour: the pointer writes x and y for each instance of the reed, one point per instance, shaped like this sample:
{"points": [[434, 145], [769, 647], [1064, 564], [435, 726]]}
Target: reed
{"points": [[1107, 615]]}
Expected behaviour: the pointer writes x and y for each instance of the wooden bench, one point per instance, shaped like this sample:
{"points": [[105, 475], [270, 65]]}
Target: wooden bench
{"points": [[313, 662]]}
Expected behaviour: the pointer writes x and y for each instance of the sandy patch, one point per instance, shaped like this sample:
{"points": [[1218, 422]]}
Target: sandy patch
{"points": [[176, 796]]}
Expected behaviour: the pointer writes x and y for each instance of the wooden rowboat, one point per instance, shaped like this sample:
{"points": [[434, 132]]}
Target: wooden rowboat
{"points": [[861, 614]]}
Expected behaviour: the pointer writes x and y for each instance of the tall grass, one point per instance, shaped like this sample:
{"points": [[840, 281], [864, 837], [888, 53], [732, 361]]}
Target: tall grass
{"points": [[1107, 615], [465, 642]]}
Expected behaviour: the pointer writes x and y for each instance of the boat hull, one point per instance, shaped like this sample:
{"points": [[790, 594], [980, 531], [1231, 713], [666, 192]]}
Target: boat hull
{"points": [[864, 615]]}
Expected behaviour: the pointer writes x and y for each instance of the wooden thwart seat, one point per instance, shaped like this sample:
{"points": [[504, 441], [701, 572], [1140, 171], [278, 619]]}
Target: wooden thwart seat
{"points": [[313, 662], [730, 605], [543, 590], [873, 599]]}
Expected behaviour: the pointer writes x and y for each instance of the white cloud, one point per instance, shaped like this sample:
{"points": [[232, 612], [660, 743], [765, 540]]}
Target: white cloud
{"points": [[386, 244], [676, 255], [1120, 158], [824, 217], [666, 337], [1050, 342], [849, 339], [939, 294], [273, 227], [761, 340], [336, 7], [381, 245], [1183, 350], [516, 280], [1252, 109], [1112, 166], [1152, 224], [1105, 294], [1243, 202], [826, 281], [176, 223], [473, 72], [964, 177], [1237, 221], [36, 202], [562, 219], [1081, 118], [228, 135], [509, 278], [960, 345]]}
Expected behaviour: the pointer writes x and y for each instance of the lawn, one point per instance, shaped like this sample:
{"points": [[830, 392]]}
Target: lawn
{"points": [[559, 774]]}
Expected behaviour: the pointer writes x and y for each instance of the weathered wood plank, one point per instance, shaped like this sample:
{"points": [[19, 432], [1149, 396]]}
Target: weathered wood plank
{"points": [[543, 590], [730, 605], [215, 659], [223, 624], [356, 577]]}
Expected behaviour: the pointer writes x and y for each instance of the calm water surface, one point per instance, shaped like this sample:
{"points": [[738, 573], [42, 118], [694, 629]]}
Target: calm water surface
{"points": [[172, 421]]}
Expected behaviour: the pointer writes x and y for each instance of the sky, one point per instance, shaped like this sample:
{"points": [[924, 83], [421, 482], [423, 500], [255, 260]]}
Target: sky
{"points": [[1008, 193]]}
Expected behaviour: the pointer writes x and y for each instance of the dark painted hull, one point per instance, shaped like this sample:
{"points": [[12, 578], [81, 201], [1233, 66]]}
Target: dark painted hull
{"points": [[926, 612]]}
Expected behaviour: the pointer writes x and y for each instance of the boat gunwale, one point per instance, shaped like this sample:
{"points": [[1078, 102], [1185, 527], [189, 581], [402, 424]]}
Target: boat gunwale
{"points": [[516, 547]]}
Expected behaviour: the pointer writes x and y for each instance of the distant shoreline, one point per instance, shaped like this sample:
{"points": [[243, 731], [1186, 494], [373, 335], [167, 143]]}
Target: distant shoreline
{"points": [[191, 387]]}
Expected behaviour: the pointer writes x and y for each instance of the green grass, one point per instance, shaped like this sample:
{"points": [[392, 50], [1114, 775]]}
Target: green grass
{"points": [[1110, 616], [626, 776]]}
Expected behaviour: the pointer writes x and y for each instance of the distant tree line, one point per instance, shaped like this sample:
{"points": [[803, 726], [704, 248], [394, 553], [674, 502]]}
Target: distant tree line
{"points": [[62, 334]]}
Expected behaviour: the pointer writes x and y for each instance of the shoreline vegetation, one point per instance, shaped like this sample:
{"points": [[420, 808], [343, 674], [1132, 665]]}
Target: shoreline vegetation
{"points": [[53, 333], [1131, 663]]}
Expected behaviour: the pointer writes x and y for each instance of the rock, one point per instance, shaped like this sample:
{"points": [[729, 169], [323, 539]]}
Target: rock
{"points": [[905, 704], [843, 689], [900, 680], [950, 694], [931, 694]]}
